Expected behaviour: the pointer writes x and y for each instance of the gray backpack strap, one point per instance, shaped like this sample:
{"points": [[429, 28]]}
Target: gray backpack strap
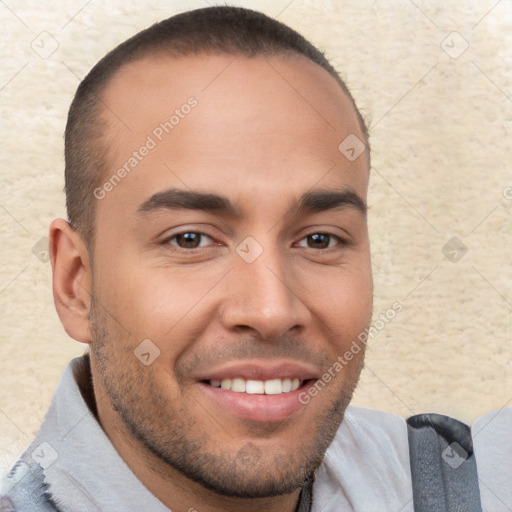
{"points": [[443, 465]]}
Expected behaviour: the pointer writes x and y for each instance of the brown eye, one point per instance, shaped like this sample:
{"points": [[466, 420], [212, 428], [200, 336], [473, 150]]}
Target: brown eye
{"points": [[189, 240], [320, 241]]}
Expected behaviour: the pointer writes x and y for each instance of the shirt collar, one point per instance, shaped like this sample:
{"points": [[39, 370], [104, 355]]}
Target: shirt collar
{"points": [[88, 474]]}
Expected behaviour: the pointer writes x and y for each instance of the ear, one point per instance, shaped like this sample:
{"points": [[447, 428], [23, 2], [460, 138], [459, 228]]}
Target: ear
{"points": [[72, 279]]}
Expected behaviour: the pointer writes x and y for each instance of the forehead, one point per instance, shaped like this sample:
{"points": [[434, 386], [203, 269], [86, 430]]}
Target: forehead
{"points": [[262, 123]]}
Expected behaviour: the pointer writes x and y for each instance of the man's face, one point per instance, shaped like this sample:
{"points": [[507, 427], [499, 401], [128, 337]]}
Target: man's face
{"points": [[258, 291]]}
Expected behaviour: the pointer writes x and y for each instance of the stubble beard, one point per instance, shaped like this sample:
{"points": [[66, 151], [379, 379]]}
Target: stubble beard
{"points": [[174, 438]]}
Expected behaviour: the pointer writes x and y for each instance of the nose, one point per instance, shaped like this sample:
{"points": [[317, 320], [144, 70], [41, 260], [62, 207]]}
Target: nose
{"points": [[264, 297]]}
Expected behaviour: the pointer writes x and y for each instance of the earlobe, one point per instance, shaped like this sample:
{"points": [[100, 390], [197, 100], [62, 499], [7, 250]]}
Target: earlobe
{"points": [[72, 280]]}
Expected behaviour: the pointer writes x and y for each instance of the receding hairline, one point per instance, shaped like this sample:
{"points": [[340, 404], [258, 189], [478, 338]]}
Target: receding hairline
{"points": [[162, 55]]}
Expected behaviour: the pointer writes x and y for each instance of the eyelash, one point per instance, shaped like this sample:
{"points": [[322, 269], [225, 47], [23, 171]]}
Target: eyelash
{"points": [[340, 242]]}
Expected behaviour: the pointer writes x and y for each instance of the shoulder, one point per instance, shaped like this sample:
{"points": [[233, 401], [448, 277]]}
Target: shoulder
{"points": [[379, 437], [370, 419], [24, 490], [366, 467], [492, 444]]}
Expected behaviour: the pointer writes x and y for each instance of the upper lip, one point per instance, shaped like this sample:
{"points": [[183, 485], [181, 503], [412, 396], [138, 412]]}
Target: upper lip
{"points": [[262, 369]]}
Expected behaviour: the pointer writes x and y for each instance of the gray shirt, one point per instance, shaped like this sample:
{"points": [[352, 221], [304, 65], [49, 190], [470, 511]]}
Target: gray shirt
{"points": [[72, 462]]}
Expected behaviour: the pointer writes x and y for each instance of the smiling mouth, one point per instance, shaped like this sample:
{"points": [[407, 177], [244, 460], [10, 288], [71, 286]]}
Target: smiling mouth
{"points": [[267, 392], [258, 387]]}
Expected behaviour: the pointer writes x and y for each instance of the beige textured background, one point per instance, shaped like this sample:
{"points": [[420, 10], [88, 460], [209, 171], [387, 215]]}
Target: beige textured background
{"points": [[441, 136]]}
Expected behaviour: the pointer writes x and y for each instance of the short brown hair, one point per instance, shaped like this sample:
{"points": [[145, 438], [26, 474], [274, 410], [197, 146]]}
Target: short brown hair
{"points": [[213, 30]]}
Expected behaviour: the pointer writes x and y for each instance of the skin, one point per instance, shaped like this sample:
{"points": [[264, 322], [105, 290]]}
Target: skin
{"points": [[265, 132]]}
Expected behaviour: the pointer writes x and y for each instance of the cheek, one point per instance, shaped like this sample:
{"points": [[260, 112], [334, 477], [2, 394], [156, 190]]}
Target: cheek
{"points": [[155, 302], [345, 307]]}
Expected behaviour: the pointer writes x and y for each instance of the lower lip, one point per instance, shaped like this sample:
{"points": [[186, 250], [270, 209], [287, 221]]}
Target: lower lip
{"points": [[261, 408]]}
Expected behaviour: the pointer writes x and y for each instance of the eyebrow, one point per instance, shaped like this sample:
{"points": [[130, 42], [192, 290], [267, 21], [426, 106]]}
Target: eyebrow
{"points": [[310, 202]]}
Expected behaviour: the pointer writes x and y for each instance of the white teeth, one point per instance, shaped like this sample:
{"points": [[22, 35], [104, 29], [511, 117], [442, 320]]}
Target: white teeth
{"points": [[257, 387], [238, 385], [225, 384], [273, 387]]}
